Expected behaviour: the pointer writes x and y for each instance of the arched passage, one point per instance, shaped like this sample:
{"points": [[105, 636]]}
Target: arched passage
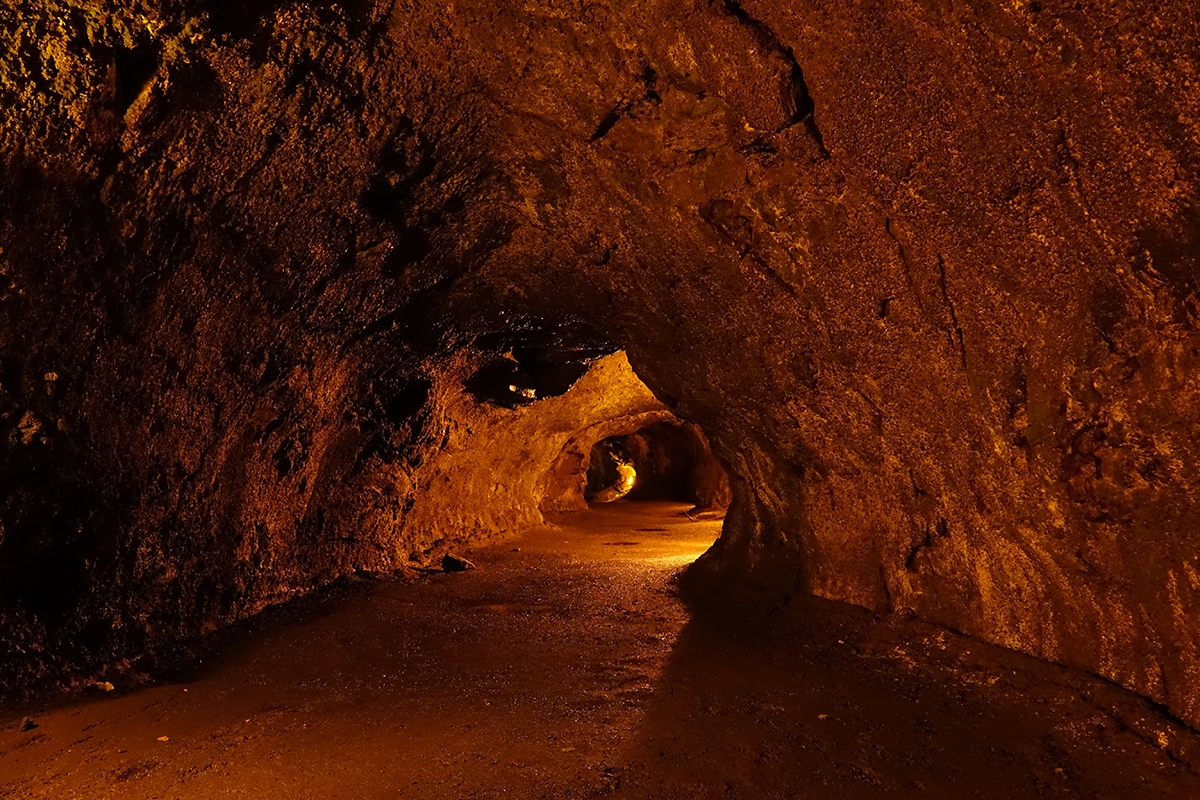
{"points": [[671, 460], [976, 406], [671, 457]]}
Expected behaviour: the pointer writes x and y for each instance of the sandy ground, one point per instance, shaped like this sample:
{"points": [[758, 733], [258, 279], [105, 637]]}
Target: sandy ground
{"points": [[570, 669]]}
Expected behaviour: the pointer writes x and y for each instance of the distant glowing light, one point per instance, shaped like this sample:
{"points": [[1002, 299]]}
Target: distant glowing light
{"points": [[527, 392], [623, 485]]}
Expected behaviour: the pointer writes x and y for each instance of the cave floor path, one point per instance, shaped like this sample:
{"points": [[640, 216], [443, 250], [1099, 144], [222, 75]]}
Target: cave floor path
{"points": [[566, 666]]}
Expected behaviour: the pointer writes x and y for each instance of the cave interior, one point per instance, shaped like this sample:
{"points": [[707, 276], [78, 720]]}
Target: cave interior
{"points": [[860, 338]]}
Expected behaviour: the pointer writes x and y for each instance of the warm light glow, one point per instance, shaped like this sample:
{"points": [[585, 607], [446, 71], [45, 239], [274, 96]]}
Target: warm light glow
{"points": [[626, 478]]}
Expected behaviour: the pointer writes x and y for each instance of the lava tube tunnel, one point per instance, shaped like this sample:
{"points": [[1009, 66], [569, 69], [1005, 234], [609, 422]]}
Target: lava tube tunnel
{"points": [[554, 400]]}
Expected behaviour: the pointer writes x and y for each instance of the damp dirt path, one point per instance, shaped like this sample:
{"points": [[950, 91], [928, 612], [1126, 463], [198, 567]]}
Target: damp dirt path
{"points": [[570, 669]]}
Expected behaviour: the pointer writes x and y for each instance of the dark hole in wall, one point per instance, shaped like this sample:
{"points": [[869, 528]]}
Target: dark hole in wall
{"points": [[135, 68], [528, 373]]}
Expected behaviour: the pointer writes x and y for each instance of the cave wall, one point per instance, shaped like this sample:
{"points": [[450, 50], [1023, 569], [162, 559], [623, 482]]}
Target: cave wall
{"points": [[923, 272]]}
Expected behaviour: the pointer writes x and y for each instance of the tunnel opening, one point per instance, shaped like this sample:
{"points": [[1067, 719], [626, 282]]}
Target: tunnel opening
{"points": [[665, 460], [638, 451], [620, 468]]}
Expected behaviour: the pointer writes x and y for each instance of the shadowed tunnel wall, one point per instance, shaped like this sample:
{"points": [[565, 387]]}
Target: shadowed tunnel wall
{"points": [[924, 273]]}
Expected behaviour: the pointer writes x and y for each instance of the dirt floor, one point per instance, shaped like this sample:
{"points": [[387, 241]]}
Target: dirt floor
{"points": [[568, 668]]}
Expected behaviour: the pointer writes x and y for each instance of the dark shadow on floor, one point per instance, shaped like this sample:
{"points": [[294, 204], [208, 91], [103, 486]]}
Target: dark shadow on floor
{"points": [[832, 702]]}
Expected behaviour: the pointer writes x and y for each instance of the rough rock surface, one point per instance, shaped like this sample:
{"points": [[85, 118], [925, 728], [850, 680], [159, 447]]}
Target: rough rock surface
{"points": [[925, 274]]}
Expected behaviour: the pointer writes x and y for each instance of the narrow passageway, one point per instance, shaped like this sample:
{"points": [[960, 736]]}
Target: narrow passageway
{"points": [[566, 666]]}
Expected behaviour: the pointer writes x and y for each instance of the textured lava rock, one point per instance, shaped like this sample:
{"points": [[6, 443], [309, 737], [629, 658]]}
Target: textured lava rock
{"points": [[924, 273]]}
